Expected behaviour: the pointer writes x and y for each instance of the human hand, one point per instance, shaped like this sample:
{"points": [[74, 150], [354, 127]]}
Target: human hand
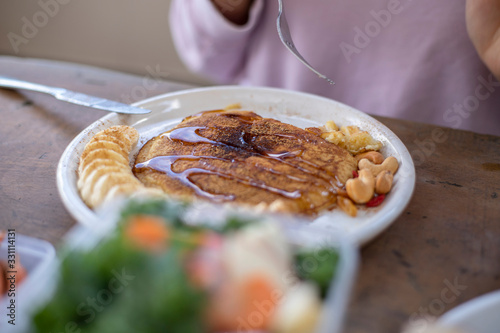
{"points": [[483, 26], [235, 11]]}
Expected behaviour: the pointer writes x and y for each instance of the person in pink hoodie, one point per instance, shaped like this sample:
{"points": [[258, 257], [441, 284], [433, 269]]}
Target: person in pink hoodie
{"points": [[427, 61]]}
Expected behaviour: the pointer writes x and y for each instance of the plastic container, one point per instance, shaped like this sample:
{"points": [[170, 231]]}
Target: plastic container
{"points": [[334, 306], [479, 315], [36, 256]]}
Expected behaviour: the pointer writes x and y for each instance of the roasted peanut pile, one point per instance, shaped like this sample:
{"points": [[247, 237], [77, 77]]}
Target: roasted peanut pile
{"points": [[375, 174]]}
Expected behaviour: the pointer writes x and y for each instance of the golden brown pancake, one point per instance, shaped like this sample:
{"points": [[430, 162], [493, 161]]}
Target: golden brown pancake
{"points": [[238, 156]]}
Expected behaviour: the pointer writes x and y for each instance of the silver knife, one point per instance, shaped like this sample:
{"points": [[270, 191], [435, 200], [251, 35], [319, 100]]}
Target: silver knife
{"points": [[72, 97]]}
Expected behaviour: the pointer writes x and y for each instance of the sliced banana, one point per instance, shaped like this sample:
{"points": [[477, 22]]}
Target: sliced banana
{"points": [[125, 135], [95, 165], [121, 189], [90, 182], [133, 191], [105, 144], [105, 154], [107, 182], [104, 171]]}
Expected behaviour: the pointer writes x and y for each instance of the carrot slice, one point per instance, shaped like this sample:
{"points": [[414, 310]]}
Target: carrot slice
{"points": [[242, 306], [148, 232], [258, 302]]}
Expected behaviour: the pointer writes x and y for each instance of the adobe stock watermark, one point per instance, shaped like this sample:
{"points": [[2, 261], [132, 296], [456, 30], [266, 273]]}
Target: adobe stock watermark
{"points": [[150, 82], [364, 35], [460, 111], [454, 116], [30, 27], [87, 310], [420, 320]]}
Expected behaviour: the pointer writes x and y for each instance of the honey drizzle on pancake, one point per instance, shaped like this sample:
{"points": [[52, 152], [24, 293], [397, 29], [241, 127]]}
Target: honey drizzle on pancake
{"points": [[245, 142], [165, 163], [190, 135]]}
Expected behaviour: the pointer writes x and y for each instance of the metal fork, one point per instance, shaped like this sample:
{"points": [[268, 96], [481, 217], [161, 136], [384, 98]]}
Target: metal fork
{"points": [[286, 38]]}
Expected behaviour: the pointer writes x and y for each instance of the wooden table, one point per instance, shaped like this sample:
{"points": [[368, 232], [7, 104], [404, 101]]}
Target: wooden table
{"points": [[442, 251]]}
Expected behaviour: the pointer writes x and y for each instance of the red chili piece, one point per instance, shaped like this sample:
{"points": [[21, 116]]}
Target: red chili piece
{"points": [[355, 174], [376, 201]]}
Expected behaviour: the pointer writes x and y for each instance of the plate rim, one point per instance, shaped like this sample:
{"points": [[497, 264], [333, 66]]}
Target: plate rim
{"points": [[360, 237], [473, 306]]}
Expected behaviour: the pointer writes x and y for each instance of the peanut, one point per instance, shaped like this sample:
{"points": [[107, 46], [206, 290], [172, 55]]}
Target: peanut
{"points": [[361, 189], [373, 156], [390, 164], [383, 182], [347, 206]]}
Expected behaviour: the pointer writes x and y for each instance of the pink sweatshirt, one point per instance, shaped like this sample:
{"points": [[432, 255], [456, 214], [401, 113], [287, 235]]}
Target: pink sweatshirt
{"points": [[397, 58]]}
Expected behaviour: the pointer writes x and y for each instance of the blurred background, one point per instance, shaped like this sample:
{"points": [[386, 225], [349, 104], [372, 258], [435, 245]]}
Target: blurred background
{"points": [[125, 35]]}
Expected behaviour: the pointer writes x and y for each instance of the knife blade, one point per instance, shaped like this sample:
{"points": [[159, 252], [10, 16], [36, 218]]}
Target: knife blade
{"points": [[72, 97]]}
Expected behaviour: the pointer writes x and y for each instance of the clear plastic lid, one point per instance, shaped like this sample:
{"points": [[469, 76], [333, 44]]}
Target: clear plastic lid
{"points": [[35, 256]]}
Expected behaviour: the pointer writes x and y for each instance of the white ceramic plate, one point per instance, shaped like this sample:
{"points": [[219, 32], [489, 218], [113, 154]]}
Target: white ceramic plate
{"points": [[300, 109], [479, 315]]}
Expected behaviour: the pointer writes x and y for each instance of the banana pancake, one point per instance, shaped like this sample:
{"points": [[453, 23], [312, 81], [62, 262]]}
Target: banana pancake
{"points": [[241, 157]]}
